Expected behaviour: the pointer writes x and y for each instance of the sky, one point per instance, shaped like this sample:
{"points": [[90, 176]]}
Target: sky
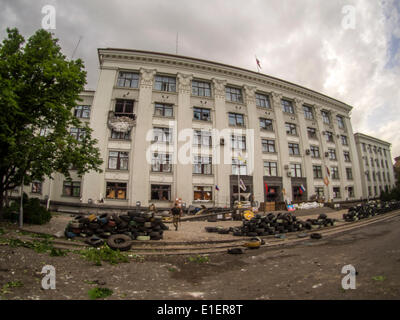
{"points": [[346, 49]]}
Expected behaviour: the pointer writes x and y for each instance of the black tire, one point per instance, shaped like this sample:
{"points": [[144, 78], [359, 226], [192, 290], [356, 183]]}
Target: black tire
{"points": [[164, 226], [235, 251], [211, 229], [223, 231], [238, 233], [154, 234], [120, 242], [252, 234], [322, 216], [125, 218], [316, 236], [95, 241], [139, 219]]}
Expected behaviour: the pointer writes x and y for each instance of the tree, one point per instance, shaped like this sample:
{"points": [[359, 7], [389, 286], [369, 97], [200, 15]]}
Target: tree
{"points": [[39, 88]]}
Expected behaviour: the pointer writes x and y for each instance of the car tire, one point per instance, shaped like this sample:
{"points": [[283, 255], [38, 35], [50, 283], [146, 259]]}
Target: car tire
{"points": [[120, 242]]}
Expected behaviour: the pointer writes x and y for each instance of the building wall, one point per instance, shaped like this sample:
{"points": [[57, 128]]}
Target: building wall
{"points": [[139, 176], [379, 151]]}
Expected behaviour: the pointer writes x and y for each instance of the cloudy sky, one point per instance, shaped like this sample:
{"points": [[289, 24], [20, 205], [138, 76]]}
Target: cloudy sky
{"points": [[314, 43]]}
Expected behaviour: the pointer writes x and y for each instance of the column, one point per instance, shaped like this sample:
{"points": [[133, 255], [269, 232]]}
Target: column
{"points": [[183, 170], [140, 178], [93, 186], [282, 145], [254, 151], [328, 191], [223, 167], [305, 144]]}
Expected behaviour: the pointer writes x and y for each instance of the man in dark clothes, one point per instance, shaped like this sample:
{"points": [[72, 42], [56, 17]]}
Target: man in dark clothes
{"points": [[176, 215]]}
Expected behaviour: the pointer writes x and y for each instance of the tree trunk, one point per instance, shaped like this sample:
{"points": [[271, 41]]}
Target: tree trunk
{"points": [[1, 204]]}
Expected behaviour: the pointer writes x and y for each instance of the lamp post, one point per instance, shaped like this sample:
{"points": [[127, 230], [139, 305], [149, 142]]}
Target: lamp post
{"points": [[138, 204]]}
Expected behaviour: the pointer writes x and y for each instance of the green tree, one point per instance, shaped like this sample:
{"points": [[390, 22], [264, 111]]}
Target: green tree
{"points": [[39, 88]]}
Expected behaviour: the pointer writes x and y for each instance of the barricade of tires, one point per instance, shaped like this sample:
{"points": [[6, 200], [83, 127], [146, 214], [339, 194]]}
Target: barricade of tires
{"points": [[118, 229], [272, 224], [370, 209]]}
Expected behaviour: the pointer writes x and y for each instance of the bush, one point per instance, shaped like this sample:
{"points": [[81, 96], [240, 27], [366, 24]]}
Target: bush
{"points": [[34, 213]]}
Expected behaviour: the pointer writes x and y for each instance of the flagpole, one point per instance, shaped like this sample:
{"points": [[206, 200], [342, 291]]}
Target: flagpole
{"points": [[238, 184]]}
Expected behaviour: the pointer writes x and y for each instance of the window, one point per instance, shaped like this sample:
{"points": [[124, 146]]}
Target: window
{"points": [[373, 176], [270, 169], [369, 191], [236, 119], [377, 163], [388, 177], [328, 136], [202, 193], [335, 173], [116, 190], [72, 188], [319, 192], [164, 83], [162, 135], [120, 135], [202, 165], [336, 192], [372, 162], [160, 192], [366, 161], [262, 101], [291, 129], [266, 124], [287, 106], [386, 164], [295, 170], [382, 164], [239, 167], [163, 110], [233, 94], [82, 112], [201, 88], [349, 174], [77, 133], [314, 150], [36, 187], [161, 162], [308, 112], [340, 122], [375, 191], [325, 117], [350, 192], [344, 140], [346, 155], [124, 108], [297, 195], [332, 154], [128, 79], [294, 149], [367, 175], [118, 160], [312, 133], [201, 114], [238, 142], [268, 145], [384, 177], [363, 147], [317, 171], [378, 175], [202, 138]]}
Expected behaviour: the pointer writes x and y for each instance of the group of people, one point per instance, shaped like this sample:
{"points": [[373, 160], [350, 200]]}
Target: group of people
{"points": [[176, 213]]}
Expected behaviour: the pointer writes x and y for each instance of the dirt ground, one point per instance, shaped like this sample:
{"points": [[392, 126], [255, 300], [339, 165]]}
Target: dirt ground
{"points": [[309, 270]]}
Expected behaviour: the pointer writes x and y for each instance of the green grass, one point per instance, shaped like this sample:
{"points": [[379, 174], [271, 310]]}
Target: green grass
{"points": [[11, 284], [199, 259], [99, 293], [379, 278], [103, 254], [43, 246], [2, 231]]}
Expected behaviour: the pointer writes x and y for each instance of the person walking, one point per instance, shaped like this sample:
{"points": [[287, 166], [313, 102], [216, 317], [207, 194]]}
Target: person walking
{"points": [[176, 215]]}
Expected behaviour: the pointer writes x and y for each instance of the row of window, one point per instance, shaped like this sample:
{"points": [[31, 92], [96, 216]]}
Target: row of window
{"points": [[372, 148], [233, 94], [376, 176], [374, 162]]}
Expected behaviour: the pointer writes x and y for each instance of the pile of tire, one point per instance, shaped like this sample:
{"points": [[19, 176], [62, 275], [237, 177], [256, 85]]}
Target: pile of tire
{"points": [[135, 225], [272, 224], [370, 209]]}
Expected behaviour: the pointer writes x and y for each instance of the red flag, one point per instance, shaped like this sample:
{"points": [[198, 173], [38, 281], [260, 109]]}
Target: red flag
{"points": [[258, 63], [300, 190], [266, 187]]}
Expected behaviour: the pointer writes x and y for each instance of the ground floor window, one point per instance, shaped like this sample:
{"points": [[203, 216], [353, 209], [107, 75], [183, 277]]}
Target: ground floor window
{"points": [[272, 194], [319, 192], [202, 193], [116, 190], [297, 193], [161, 192], [351, 192], [36, 187], [72, 188], [336, 192]]}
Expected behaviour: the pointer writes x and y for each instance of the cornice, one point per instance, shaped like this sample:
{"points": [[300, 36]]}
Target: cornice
{"points": [[363, 137], [219, 70]]}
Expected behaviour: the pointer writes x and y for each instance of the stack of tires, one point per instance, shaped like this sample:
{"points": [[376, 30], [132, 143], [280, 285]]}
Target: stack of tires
{"points": [[136, 225], [322, 221], [370, 209]]}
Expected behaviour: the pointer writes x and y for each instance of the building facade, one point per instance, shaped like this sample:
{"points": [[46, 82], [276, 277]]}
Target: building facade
{"points": [[177, 127], [375, 164]]}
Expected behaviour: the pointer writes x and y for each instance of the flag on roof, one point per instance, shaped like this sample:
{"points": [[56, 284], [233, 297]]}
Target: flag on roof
{"points": [[258, 63]]}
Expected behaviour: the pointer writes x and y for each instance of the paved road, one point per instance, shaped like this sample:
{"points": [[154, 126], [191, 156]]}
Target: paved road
{"points": [[311, 270]]}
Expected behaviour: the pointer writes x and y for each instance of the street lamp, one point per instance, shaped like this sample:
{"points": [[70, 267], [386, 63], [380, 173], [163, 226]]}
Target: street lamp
{"points": [[138, 204]]}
